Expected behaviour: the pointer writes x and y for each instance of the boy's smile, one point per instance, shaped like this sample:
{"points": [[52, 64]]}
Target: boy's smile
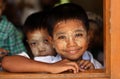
{"points": [[70, 39]]}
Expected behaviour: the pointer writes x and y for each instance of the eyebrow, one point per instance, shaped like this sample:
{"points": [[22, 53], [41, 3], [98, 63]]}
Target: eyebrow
{"points": [[59, 33], [79, 30]]}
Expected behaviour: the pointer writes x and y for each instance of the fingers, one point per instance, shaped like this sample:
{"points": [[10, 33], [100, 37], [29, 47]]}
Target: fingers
{"points": [[65, 65], [73, 66], [3, 54], [85, 65], [3, 50], [90, 66]]}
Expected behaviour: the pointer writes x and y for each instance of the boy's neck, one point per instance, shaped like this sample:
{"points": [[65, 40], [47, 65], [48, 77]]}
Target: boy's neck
{"points": [[77, 61]]}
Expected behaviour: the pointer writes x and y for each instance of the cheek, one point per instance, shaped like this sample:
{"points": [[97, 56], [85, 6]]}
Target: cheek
{"points": [[49, 48], [34, 50], [59, 45], [82, 42]]}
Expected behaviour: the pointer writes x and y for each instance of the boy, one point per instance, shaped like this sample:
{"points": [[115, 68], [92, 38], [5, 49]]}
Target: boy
{"points": [[10, 38], [38, 40], [69, 29], [68, 63]]}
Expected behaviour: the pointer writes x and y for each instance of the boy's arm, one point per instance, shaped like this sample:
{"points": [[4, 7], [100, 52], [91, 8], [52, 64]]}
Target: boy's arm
{"points": [[23, 64]]}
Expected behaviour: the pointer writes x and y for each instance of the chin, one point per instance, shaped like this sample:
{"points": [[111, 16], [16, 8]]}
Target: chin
{"points": [[73, 58]]}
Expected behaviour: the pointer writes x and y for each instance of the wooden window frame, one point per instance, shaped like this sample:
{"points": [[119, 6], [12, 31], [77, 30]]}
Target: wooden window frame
{"points": [[92, 74]]}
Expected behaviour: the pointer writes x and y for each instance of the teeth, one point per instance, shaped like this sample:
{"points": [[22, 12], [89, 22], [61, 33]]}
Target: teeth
{"points": [[72, 52]]}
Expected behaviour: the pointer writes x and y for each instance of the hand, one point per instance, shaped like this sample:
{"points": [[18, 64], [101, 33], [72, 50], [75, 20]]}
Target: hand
{"points": [[64, 65], [85, 65], [3, 52]]}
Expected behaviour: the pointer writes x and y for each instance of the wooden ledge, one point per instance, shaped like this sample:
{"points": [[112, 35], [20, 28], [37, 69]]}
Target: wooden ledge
{"points": [[91, 74]]}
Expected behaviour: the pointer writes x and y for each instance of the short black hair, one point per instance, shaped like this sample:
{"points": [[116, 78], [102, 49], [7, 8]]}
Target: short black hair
{"points": [[65, 12], [35, 21]]}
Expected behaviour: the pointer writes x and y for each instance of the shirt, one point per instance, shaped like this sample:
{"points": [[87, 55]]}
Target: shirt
{"points": [[52, 59], [88, 56], [10, 37], [46, 59]]}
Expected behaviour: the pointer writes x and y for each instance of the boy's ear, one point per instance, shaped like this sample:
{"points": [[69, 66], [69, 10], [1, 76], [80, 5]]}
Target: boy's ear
{"points": [[51, 41]]}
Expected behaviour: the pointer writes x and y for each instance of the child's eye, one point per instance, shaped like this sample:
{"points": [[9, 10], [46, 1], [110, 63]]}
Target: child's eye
{"points": [[33, 44], [79, 35], [46, 41], [61, 37]]}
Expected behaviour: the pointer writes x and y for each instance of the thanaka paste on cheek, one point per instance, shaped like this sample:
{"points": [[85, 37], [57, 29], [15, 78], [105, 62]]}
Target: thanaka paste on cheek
{"points": [[41, 45]]}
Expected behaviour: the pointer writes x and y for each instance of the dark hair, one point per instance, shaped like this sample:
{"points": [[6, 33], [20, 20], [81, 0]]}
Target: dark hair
{"points": [[34, 21], [65, 12]]}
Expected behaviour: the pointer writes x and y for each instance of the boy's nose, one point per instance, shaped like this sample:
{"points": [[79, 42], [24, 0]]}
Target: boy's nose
{"points": [[41, 46], [71, 42]]}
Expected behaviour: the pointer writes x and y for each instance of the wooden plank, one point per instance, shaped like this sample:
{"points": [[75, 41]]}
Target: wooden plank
{"points": [[92, 74], [115, 39]]}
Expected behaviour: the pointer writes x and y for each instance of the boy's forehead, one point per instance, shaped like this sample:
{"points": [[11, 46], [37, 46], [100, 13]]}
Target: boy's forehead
{"points": [[78, 21], [68, 23], [70, 26], [38, 32]]}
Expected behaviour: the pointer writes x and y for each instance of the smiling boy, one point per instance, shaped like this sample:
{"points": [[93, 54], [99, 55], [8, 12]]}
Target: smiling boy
{"points": [[69, 29]]}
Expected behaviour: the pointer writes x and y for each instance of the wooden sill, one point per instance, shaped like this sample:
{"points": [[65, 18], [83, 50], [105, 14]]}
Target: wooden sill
{"points": [[91, 74]]}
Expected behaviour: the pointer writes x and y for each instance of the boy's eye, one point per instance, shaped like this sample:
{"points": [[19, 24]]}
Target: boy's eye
{"points": [[79, 35], [46, 41], [61, 37], [33, 44]]}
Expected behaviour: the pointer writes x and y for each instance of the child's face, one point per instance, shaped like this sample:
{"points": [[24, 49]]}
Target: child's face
{"points": [[70, 39], [40, 43]]}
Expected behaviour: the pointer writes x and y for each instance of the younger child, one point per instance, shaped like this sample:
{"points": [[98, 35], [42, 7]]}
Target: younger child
{"points": [[38, 40]]}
